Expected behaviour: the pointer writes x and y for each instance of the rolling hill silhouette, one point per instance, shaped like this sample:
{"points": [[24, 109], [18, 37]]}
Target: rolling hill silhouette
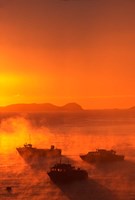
{"points": [[45, 107]]}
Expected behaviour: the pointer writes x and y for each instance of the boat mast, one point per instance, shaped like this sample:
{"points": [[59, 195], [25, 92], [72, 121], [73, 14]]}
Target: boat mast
{"points": [[29, 138]]}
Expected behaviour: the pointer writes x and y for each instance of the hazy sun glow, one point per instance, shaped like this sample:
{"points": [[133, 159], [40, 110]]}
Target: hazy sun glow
{"points": [[66, 51], [8, 80]]}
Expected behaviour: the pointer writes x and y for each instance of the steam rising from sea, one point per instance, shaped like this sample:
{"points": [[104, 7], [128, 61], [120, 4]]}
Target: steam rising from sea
{"points": [[106, 182]]}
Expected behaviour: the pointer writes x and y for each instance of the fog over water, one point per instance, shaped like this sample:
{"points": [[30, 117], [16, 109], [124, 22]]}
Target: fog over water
{"points": [[74, 135]]}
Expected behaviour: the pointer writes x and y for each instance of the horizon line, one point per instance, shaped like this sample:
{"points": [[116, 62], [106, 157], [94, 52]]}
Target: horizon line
{"points": [[53, 104]]}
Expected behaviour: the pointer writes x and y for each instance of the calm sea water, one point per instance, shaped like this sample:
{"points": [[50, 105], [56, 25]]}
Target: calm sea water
{"points": [[106, 182]]}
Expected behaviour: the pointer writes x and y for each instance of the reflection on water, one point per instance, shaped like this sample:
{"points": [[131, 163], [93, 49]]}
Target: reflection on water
{"points": [[85, 190], [106, 182]]}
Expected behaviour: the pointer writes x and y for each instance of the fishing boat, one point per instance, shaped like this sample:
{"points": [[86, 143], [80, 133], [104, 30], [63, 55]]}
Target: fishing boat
{"points": [[101, 156], [66, 173], [34, 155]]}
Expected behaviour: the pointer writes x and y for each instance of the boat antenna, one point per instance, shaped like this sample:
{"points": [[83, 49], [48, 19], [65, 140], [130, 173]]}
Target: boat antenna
{"points": [[29, 138]]}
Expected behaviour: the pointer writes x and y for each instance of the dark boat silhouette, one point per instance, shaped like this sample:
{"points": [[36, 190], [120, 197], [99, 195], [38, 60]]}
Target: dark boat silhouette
{"points": [[66, 173], [34, 155], [101, 156]]}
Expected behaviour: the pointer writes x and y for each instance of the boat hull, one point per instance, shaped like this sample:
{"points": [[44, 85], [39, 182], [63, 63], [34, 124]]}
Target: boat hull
{"points": [[102, 159], [64, 177]]}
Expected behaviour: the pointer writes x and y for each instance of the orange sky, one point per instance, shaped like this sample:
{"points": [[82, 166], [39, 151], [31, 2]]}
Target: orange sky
{"points": [[61, 51]]}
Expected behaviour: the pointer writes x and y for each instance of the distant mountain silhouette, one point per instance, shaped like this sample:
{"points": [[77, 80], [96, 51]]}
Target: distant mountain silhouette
{"points": [[45, 107], [132, 108], [72, 107]]}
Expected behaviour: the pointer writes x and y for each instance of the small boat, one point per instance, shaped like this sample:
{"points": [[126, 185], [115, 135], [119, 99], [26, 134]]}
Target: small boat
{"points": [[101, 156], [66, 173], [33, 155]]}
